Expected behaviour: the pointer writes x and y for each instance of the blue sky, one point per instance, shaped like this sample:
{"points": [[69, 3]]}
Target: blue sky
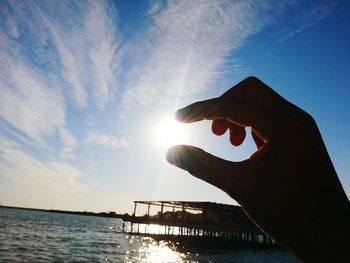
{"points": [[85, 84]]}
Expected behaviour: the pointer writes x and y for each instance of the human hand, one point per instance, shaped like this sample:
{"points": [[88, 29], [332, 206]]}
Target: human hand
{"points": [[289, 186]]}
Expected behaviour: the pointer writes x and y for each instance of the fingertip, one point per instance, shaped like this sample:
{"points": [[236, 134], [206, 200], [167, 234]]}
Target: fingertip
{"points": [[235, 141], [180, 115], [184, 156], [219, 127], [177, 155], [237, 135], [170, 155]]}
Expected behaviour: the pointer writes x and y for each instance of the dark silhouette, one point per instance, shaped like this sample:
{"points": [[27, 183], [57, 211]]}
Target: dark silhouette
{"points": [[203, 223], [289, 186]]}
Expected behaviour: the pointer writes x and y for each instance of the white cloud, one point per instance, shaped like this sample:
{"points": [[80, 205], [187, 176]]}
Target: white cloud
{"points": [[86, 43], [187, 46], [8, 143], [55, 53], [103, 42], [307, 18], [104, 140], [51, 177], [69, 143], [27, 101]]}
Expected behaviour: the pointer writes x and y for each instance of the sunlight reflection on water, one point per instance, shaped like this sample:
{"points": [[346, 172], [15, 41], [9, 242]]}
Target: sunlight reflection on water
{"points": [[157, 252]]}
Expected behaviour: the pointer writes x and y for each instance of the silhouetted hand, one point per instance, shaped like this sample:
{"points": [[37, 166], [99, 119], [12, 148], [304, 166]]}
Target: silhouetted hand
{"points": [[289, 186]]}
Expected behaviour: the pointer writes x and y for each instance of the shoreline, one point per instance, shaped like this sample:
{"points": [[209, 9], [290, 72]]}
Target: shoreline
{"points": [[83, 213]]}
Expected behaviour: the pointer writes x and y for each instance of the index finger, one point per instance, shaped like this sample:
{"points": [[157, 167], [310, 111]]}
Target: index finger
{"points": [[261, 118]]}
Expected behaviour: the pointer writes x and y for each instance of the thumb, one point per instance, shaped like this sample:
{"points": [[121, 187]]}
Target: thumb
{"points": [[205, 166]]}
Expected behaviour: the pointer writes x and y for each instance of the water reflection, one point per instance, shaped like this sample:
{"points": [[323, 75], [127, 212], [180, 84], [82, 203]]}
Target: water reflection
{"points": [[157, 252]]}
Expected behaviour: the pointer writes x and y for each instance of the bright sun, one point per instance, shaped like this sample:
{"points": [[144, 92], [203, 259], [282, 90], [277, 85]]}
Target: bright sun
{"points": [[170, 132]]}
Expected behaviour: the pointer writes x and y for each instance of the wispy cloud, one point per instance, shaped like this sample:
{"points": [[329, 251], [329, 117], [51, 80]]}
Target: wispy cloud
{"points": [[52, 177], [188, 44], [54, 54], [27, 101], [106, 141], [69, 143], [103, 45], [8, 143], [87, 47], [308, 17]]}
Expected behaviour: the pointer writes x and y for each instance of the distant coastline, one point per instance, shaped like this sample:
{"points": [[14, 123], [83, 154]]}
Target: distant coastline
{"points": [[83, 213]]}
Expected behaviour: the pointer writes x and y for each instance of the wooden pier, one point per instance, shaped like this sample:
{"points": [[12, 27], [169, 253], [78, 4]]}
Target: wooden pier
{"points": [[200, 222]]}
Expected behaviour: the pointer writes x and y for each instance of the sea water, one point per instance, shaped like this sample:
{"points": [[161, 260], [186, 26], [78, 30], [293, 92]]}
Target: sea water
{"points": [[35, 236]]}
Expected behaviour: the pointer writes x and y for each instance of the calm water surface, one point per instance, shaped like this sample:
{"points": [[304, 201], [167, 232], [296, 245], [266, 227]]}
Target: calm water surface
{"points": [[32, 236]]}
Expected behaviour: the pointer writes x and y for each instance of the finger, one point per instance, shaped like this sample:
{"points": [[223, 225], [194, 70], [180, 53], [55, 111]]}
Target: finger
{"points": [[241, 112], [237, 134], [219, 127], [258, 141], [221, 173], [198, 111], [249, 103]]}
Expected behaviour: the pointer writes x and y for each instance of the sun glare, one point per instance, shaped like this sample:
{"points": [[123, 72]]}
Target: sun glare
{"points": [[159, 252], [170, 132]]}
